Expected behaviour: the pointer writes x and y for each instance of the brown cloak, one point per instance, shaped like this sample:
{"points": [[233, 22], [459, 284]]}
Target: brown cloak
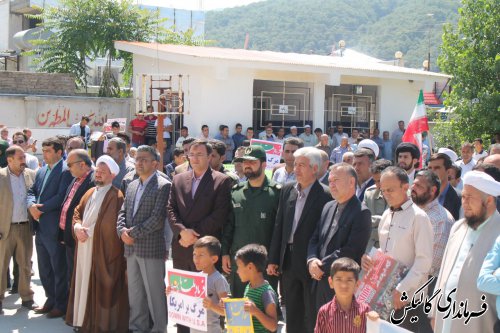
{"points": [[107, 304]]}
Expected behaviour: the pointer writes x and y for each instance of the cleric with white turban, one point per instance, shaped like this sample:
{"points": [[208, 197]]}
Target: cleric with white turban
{"points": [[469, 242], [110, 162], [483, 182]]}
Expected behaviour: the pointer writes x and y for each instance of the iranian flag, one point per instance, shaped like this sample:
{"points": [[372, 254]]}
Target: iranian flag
{"points": [[417, 125]]}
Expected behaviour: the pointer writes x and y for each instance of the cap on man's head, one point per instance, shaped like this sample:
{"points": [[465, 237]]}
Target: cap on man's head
{"points": [[370, 144], [307, 126], [483, 182], [451, 154], [293, 127], [253, 153]]}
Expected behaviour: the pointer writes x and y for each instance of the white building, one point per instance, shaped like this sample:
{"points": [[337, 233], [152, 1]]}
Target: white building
{"points": [[229, 86]]}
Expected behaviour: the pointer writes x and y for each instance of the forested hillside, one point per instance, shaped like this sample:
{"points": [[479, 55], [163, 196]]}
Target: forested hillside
{"points": [[376, 27]]}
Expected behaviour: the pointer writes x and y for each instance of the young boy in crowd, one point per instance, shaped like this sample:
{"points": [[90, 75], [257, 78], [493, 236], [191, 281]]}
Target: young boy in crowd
{"points": [[251, 261], [206, 253], [344, 313]]}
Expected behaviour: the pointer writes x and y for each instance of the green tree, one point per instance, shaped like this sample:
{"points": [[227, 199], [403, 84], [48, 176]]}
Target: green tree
{"points": [[83, 30], [471, 53]]}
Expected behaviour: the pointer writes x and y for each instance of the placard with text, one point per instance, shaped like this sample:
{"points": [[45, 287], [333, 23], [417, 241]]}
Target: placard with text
{"points": [[185, 301]]}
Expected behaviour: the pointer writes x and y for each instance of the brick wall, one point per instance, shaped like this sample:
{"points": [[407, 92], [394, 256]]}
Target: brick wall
{"points": [[36, 83]]}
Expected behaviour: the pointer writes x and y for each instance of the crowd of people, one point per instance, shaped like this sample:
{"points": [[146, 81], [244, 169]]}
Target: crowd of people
{"points": [[106, 216]]}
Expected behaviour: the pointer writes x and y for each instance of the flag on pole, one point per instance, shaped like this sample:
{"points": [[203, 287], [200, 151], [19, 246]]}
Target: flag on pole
{"points": [[418, 124]]}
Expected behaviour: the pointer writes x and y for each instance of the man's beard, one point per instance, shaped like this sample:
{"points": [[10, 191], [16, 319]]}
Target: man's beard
{"points": [[99, 183], [422, 199], [405, 166], [475, 221], [250, 174]]}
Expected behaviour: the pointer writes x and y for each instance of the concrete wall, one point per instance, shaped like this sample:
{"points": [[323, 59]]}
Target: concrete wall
{"points": [[36, 83], [52, 115]]}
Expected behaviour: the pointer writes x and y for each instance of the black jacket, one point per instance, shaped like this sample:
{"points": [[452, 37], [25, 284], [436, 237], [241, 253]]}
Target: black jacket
{"points": [[316, 200], [66, 235]]}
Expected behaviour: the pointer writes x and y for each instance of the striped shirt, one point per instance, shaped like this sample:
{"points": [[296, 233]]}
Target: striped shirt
{"points": [[262, 296], [151, 129], [76, 185], [332, 319], [441, 221]]}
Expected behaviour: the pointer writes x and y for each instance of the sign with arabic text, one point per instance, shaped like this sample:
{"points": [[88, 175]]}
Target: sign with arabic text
{"points": [[273, 151], [185, 301], [237, 319], [122, 121], [379, 282]]}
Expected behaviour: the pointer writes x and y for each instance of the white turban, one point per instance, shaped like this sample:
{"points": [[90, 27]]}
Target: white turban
{"points": [[451, 154], [483, 182], [370, 144], [110, 162]]}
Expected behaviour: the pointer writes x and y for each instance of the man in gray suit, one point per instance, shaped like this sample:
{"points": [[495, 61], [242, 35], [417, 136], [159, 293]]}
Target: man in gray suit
{"points": [[140, 226]]}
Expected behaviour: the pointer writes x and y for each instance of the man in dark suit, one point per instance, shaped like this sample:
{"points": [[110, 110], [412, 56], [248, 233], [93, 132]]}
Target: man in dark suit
{"points": [[140, 226], [343, 231], [80, 166], [323, 170], [45, 198], [440, 163], [198, 206], [363, 159], [299, 211]]}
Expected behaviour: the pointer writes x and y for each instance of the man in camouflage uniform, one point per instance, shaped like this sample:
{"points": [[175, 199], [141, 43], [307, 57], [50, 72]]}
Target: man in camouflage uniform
{"points": [[254, 207]]}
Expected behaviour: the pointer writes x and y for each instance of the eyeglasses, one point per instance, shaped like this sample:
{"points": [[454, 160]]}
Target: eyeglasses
{"points": [[142, 160], [17, 141], [71, 164]]}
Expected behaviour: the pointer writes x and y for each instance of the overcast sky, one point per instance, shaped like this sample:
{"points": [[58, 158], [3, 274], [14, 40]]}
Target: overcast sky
{"points": [[196, 4]]}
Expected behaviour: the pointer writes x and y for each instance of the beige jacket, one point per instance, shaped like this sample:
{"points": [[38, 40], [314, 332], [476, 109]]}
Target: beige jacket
{"points": [[6, 202]]}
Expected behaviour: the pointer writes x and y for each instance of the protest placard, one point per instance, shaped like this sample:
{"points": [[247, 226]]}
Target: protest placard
{"points": [[273, 151], [122, 121], [379, 282], [185, 301], [237, 319]]}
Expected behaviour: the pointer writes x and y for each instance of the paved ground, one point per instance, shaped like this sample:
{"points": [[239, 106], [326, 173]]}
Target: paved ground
{"points": [[17, 319]]}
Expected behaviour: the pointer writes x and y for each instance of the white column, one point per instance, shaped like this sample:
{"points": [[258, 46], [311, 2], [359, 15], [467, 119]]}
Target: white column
{"points": [[318, 107]]}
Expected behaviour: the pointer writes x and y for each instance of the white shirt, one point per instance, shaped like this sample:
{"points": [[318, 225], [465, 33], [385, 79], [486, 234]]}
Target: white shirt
{"points": [[166, 122], [466, 167], [179, 142], [477, 156], [31, 162], [310, 140], [407, 236]]}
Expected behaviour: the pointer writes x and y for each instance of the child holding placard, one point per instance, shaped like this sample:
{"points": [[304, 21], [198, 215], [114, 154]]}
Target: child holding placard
{"points": [[251, 261], [344, 313], [206, 253]]}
